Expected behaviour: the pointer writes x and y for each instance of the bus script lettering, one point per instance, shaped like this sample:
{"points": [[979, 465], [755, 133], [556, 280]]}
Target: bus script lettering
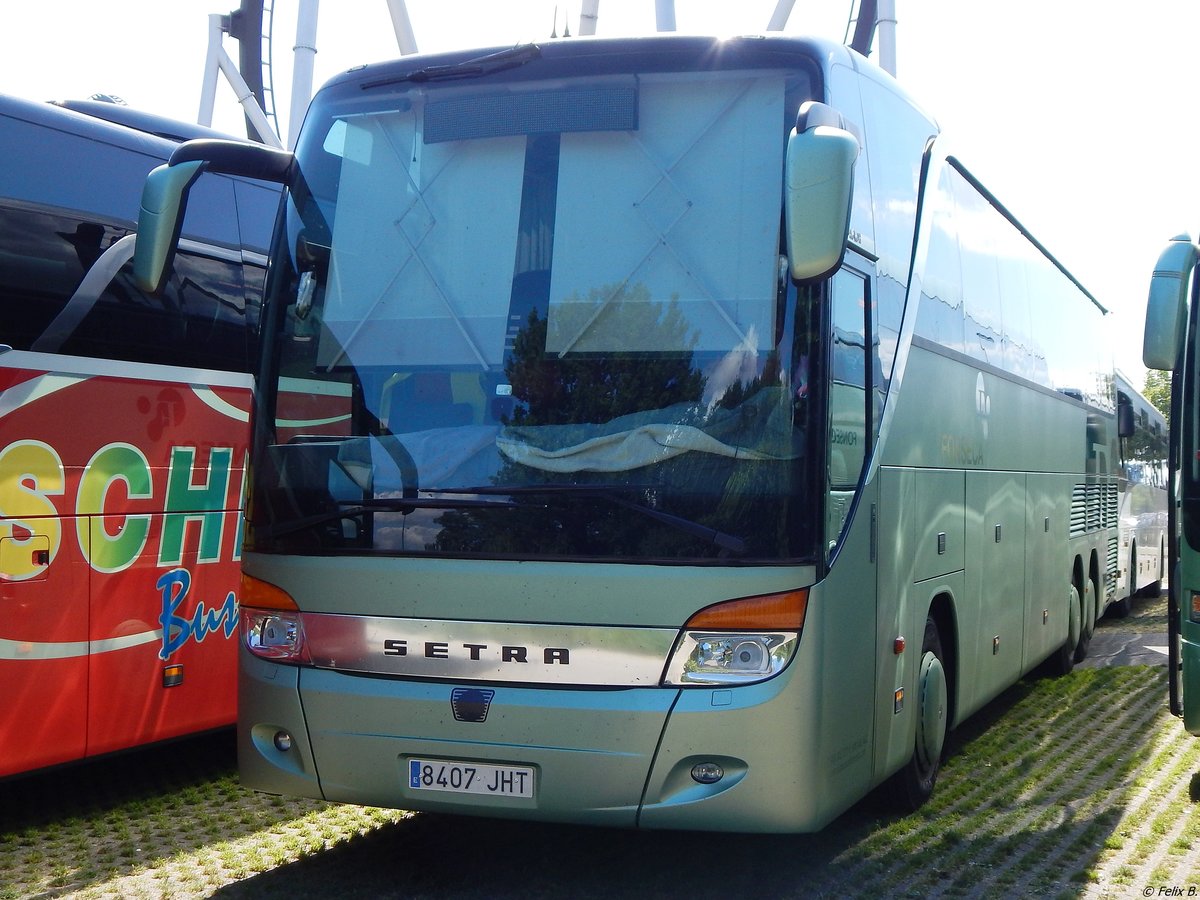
{"points": [[176, 629]]}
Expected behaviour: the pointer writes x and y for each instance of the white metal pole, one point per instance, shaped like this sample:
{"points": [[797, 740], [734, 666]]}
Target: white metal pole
{"points": [[886, 35], [779, 18], [245, 97], [664, 15], [588, 14], [304, 54], [208, 89], [405, 39]]}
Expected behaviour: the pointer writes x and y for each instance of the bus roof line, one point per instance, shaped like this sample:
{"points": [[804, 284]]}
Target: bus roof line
{"points": [[1004, 211]]}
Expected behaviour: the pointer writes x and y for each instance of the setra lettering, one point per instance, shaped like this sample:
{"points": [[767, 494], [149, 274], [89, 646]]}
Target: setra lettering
{"points": [[506, 653]]}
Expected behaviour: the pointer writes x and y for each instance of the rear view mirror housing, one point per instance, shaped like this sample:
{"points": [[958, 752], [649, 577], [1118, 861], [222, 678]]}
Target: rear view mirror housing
{"points": [[1167, 305], [164, 200], [165, 193], [1126, 423], [818, 189]]}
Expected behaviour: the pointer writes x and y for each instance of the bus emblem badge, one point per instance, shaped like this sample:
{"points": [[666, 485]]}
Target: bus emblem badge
{"points": [[471, 704]]}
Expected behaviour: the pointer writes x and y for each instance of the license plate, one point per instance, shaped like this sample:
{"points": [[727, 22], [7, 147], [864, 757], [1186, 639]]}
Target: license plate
{"points": [[470, 778]]}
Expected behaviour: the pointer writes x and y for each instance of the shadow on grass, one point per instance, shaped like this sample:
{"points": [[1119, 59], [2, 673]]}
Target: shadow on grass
{"points": [[868, 849], [78, 826], [441, 856], [436, 856], [1004, 829], [95, 787]]}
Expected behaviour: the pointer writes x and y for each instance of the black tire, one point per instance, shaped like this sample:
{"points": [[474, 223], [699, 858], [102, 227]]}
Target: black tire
{"points": [[1087, 620], [913, 784], [1062, 660]]}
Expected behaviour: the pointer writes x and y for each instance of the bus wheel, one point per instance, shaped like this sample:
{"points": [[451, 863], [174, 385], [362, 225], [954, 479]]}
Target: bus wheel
{"points": [[913, 784], [1087, 621], [1062, 660]]}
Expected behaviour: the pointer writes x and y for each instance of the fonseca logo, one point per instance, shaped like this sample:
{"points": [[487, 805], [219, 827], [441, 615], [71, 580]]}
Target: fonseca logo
{"points": [[505, 653]]}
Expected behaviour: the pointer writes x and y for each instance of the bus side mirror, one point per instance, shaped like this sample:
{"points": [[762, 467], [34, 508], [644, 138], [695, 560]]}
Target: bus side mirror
{"points": [[164, 197], [1125, 419], [818, 189], [1167, 306]]}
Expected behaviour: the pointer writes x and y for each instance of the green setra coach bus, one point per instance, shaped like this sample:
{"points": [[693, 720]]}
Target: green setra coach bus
{"points": [[705, 441]]}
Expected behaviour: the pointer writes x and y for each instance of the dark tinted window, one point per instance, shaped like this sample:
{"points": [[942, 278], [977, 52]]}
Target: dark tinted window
{"points": [[42, 258], [199, 320], [55, 167], [70, 188], [257, 204]]}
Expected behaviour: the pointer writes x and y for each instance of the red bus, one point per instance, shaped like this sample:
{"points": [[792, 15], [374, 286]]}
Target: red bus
{"points": [[123, 437]]}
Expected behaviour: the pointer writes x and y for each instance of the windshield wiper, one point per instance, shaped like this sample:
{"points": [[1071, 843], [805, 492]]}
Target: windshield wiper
{"points": [[355, 509], [612, 493], [469, 68]]}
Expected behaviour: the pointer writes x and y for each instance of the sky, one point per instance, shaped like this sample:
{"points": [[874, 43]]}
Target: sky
{"points": [[1077, 114]]}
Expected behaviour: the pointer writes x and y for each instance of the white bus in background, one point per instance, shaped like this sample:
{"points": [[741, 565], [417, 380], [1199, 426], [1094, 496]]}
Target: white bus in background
{"points": [[713, 441], [1143, 505]]}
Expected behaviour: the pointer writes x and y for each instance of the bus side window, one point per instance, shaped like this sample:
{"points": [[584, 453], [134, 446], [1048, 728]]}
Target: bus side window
{"points": [[199, 320], [849, 397], [44, 254]]}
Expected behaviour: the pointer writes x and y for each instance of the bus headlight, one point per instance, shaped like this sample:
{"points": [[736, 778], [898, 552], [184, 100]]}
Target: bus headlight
{"points": [[751, 654], [738, 642], [719, 658], [272, 626], [274, 635]]}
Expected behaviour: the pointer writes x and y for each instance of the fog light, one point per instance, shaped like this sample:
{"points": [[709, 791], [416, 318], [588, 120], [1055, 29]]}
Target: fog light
{"points": [[283, 741], [707, 773]]}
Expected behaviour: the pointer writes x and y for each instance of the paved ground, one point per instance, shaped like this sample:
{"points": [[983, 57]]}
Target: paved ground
{"points": [[1110, 648], [1139, 639]]}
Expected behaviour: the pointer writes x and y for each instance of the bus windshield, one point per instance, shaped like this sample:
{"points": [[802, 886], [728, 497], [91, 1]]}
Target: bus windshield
{"points": [[541, 320]]}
